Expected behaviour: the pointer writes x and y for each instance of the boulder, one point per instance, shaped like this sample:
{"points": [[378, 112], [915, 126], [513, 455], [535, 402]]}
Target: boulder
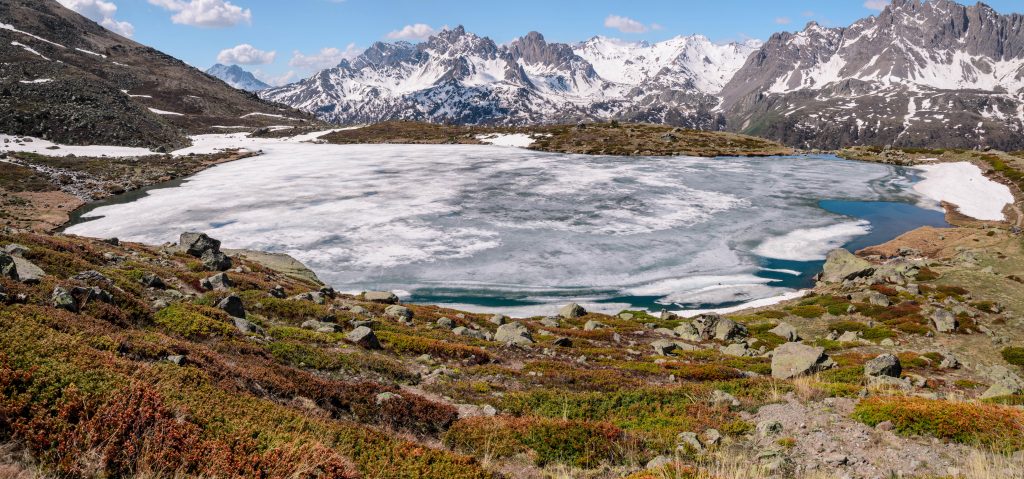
{"points": [[841, 265], [659, 462], [245, 326], [151, 280], [16, 250], [233, 306], [571, 311], [721, 398], [592, 325], [446, 323], [796, 359], [712, 437], [878, 299], [217, 281], [1004, 383], [664, 347], [769, 428], [364, 337], [196, 244], [498, 319], [728, 330], [471, 333], [7, 267], [688, 332], [62, 299], [884, 365], [383, 297], [944, 321], [562, 342], [216, 261], [28, 272], [400, 313], [689, 442], [786, 331], [550, 322], [513, 333], [849, 337], [278, 292], [737, 350]]}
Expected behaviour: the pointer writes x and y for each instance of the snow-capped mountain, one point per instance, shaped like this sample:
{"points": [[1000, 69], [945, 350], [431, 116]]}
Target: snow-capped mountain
{"points": [[237, 77], [457, 76], [919, 73]]}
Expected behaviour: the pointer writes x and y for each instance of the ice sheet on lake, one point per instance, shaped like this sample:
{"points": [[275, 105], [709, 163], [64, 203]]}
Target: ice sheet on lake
{"points": [[964, 185], [459, 221]]}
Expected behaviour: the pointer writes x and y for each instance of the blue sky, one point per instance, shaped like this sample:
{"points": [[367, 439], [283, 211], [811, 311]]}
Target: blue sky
{"points": [[284, 40]]}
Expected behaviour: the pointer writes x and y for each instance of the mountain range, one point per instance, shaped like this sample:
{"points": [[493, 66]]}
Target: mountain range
{"points": [[237, 77], [933, 73]]}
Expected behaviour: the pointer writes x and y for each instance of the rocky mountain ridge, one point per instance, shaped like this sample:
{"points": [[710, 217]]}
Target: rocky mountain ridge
{"points": [[237, 77], [917, 74]]}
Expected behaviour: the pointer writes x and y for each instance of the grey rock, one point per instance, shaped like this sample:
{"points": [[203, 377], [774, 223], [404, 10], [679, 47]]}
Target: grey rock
{"points": [[878, 299], [245, 326], [320, 326], [841, 265], [659, 462], [944, 321], [593, 325], [562, 342], [571, 311], [663, 347], [233, 306], [1004, 383], [151, 280], [712, 437], [196, 244], [217, 282], [62, 299], [359, 310], [550, 322], [883, 365], [16, 250], [513, 333], [384, 297], [364, 337], [446, 323], [689, 441], [7, 267], [786, 331], [737, 349], [949, 361], [28, 272], [176, 359], [849, 337], [498, 319], [721, 398], [278, 292], [769, 428], [464, 331], [796, 359], [688, 332], [400, 313], [216, 261]]}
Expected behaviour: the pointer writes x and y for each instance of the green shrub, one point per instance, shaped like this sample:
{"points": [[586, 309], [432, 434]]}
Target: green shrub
{"points": [[1013, 355], [809, 311], [193, 321], [987, 425]]}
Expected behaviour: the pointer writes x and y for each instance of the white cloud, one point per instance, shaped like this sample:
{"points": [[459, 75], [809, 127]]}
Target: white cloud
{"points": [[272, 80], [419, 31], [782, 20], [245, 54], [205, 13], [325, 58], [101, 12], [876, 4], [624, 24]]}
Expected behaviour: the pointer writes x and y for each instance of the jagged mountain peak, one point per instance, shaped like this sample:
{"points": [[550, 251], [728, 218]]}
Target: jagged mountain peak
{"points": [[237, 77]]}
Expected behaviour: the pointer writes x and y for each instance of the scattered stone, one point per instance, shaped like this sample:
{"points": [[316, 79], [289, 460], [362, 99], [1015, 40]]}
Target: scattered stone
{"points": [[796, 359], [689, 442], [464, 331], [16, 250], [384, 297], [786, 331], [400, 313], [849, 337], [949, 361], [688, 332], [737, 349], [278, 292], [664, 347], [513, 333], [176, 359], [498, 319], [878, 299], [62, 299], [626, 316], [721, 398], [889, 382], [592, 325], [659, 462], [386, 396], [233, 306], [883, 365], [320, 326], [1004, 383], [7, 267], [571, 311], [364, 337], [887, 342], [563, 342], [769, 428], [28, 272], [151, 280], [836, 459], [712, 326], [216, 261], [112, 241], [944, 321], [841, 265], [359, 310], [245, 326], [216, 282], [446, 323], [207, 249]]}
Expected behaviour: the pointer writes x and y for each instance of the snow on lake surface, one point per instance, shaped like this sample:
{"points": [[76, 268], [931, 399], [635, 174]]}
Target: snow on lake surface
{"points": [[520, 140], [515, 230], [964, 185]]}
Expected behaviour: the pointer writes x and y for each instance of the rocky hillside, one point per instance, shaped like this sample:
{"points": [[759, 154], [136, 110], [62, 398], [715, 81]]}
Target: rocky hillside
{"points": [[933, 73], [65, 78], [459, 77]]}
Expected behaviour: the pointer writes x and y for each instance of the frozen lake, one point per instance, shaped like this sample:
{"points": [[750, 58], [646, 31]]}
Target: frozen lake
{"points": [[516, 231]]}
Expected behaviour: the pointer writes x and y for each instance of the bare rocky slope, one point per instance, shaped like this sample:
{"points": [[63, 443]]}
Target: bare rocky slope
{"points": [[65, 78]]}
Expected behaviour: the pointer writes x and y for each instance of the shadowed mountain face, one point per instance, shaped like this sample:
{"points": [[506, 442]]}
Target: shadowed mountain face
{"points": [[65, 78], [918, 74]]}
